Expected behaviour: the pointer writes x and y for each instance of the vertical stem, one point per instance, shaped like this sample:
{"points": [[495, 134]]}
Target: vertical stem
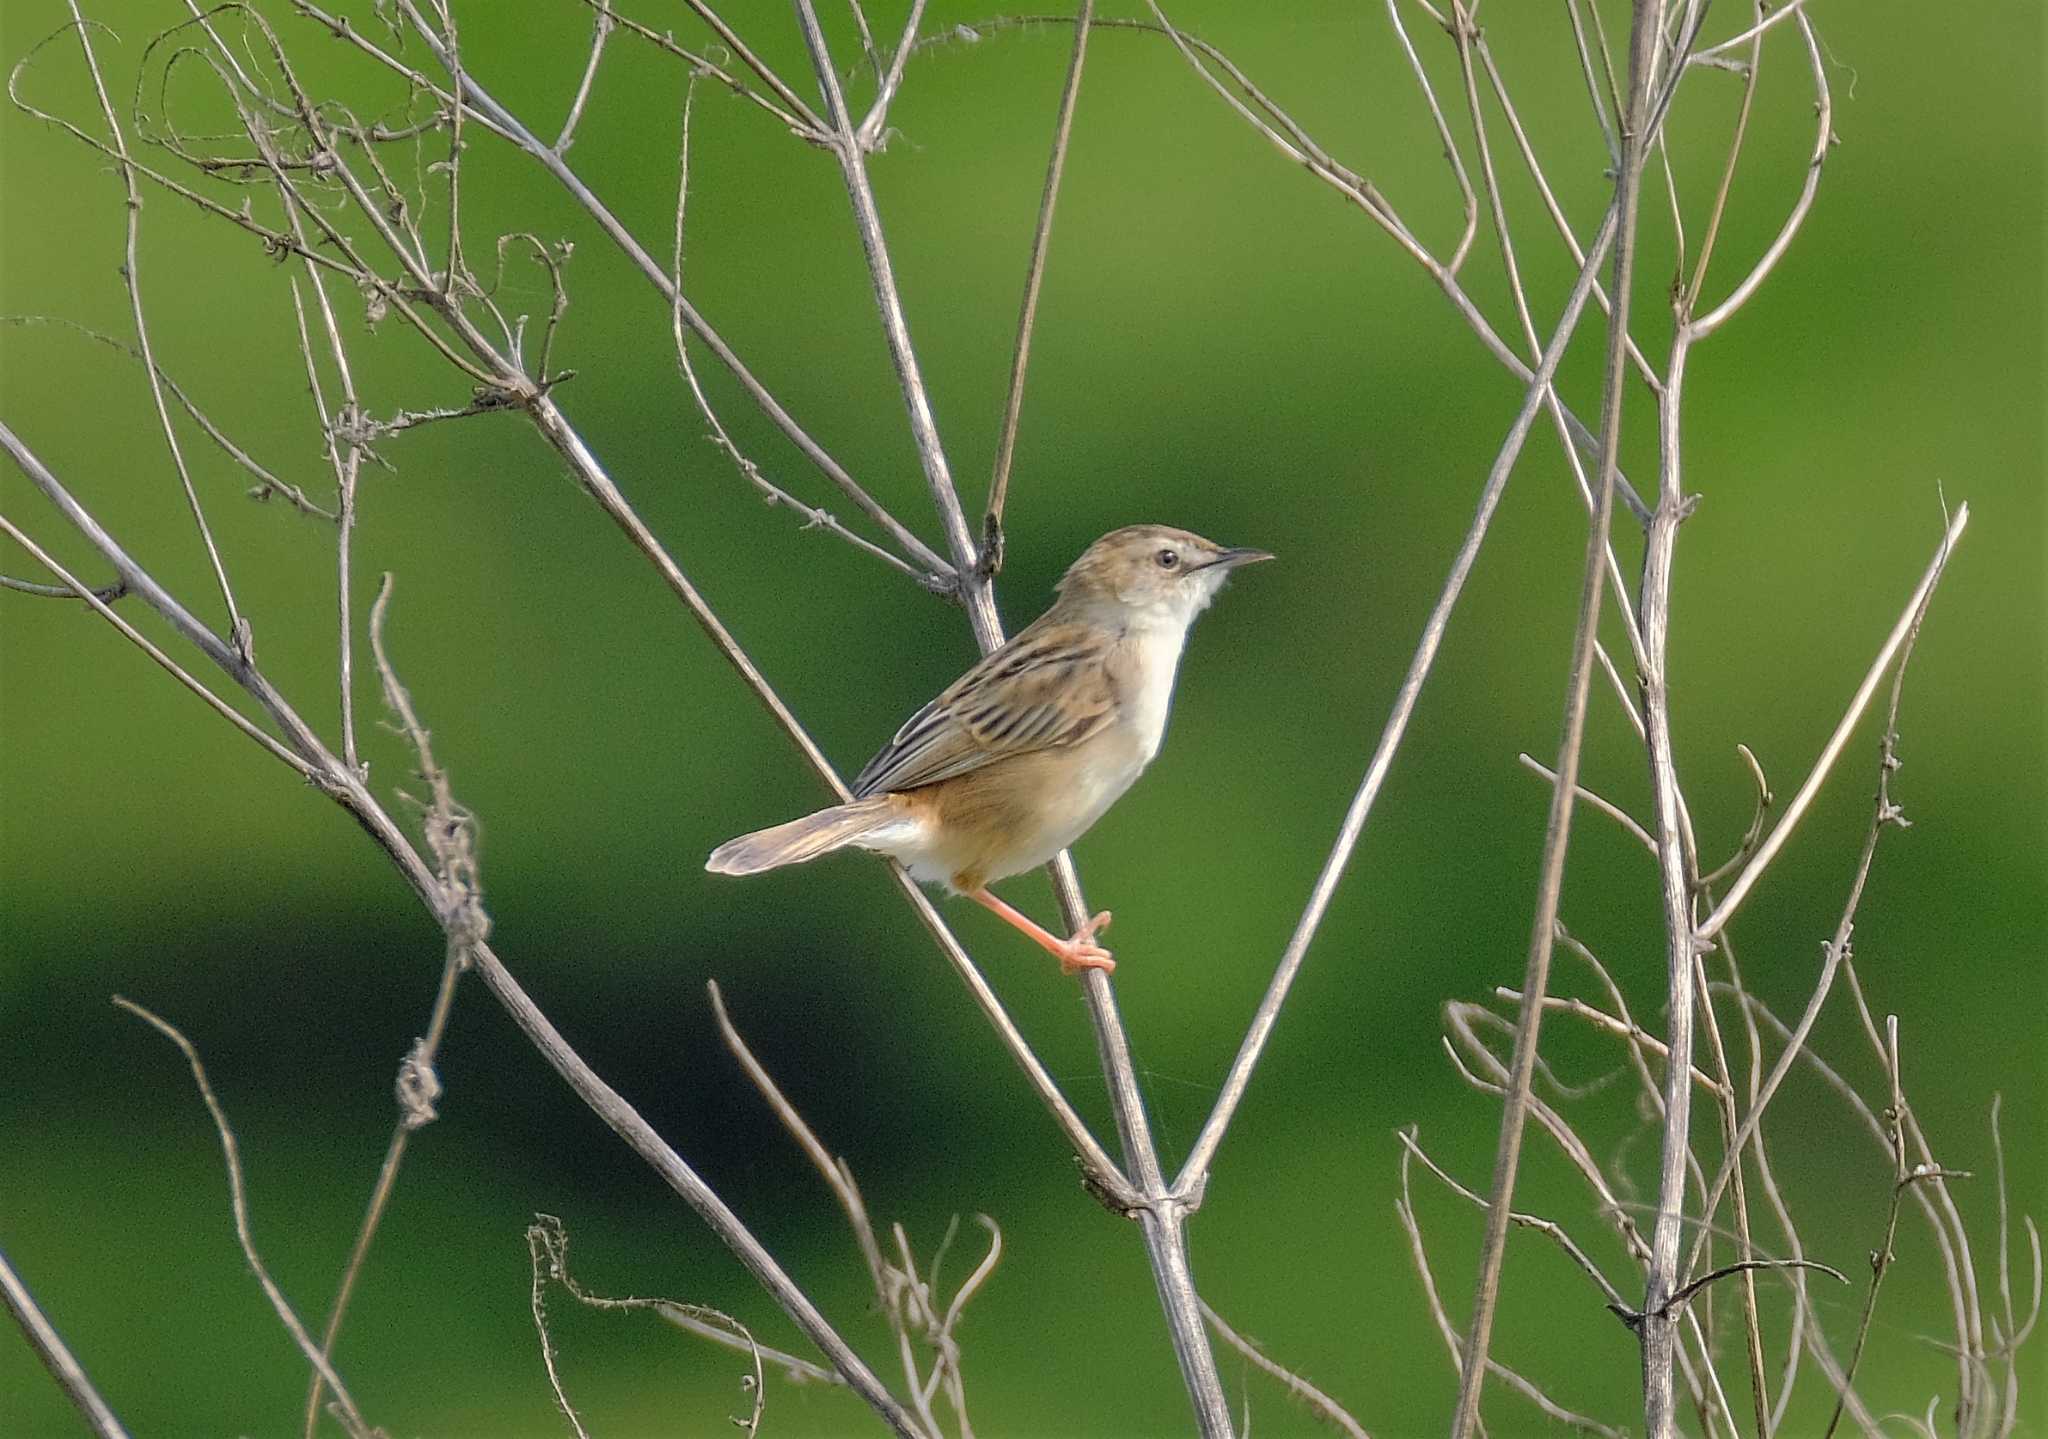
{"points": [[1161, 1213], [1472, 1377], [924, 430], [1034, 278], [1660, 1324]]}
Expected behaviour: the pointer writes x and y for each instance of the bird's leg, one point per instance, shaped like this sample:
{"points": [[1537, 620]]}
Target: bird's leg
{"points": [[1078, 953]]}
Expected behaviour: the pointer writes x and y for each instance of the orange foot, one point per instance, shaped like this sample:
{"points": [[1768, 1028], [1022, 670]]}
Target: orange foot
{"points": [[1082, 952], [1075, 953]]}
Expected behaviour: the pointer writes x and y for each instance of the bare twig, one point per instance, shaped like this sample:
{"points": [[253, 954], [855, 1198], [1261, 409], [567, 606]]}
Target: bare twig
{"points": [[1291, 140], [49, 1346], [503, 123], [1884, 815], [351, 1416], [1635, 136], [267, 486], [346, 460], [874, 127], [1253, 1046], [601, 27], [1404, 1209], [731, 40], [1313, 1399], [1161, 1213], [105, 594], [1549, 1228], [131, 275], [1034, 277], [851, 152], [1607, 807], [1824, 138], [1678, 862], [1795, 809], [547, 1242], [31, 466], [814, 519], [311, 757], [1904, 1176], [1751, 1266], [451, 837], [792, 1368], [833, 1171]]}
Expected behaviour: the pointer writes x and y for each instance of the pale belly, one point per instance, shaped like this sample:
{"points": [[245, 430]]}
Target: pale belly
{"points": [[1018, 818], [1097, 783], [1018, 813]]}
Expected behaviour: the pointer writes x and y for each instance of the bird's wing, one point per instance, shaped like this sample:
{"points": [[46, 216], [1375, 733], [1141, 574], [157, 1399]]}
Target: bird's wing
{"points": [[1048, 687]]}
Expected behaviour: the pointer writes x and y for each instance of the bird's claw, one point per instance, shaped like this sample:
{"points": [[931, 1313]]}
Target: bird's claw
{"points": [[1082, 952]]}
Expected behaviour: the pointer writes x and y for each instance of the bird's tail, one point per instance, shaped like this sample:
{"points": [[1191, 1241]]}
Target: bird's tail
{"points": [[807, 838]]}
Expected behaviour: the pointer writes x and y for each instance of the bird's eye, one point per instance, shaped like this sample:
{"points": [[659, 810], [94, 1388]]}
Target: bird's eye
{"points": [[1167, 559]]}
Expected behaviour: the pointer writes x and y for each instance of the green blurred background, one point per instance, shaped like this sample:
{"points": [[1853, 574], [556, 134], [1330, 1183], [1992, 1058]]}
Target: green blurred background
{"points": [[1223, 345]]}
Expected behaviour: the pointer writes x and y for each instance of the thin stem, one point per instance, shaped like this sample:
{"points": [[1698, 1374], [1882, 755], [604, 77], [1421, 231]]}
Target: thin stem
{"points": [[312, 758], [346, 469], [504, 123], [1735, 42], [131, 275], [1606, 806], [730, 38], [75, 586], [1659, 1328], [1645, 21], [1795, 810], [267, 487], [600, 31], [1467, 198], [105, 594], [1904, 1176], [419, 1061], [238, 1202], [888, 297], [49, 1345], [1034, 278], [1315, 1400], [1161, 1214], [1883, 814], [1196, 1168], [720, 437], [832, 1170], [871, 128], [1720, 205], [1282, 132], [1824, 137]]}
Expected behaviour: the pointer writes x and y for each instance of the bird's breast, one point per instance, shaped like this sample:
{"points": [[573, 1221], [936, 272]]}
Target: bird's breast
{"points": [[1143, 667]]}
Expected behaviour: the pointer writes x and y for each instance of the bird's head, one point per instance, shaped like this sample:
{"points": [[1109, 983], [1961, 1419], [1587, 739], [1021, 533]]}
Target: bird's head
{"points": [[1152, 572]]}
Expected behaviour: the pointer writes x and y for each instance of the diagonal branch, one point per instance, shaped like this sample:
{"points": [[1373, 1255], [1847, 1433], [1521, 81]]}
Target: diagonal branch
{"points": [[503, 123], [131, 276], [49, 1345], [1195, 1170], [852, 156], [1795, 810], [238, 1202], [346, 787]]}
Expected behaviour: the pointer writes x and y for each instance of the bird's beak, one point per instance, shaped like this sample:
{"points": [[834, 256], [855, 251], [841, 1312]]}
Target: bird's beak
{"points": [[1231, 559]]}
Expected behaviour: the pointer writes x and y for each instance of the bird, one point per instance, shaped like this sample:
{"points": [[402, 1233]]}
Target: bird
{"points": [[1021, 755]]}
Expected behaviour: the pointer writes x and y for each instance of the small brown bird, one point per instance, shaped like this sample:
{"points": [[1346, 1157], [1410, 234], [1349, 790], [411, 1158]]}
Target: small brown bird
{"points": [[1019, 756]]}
